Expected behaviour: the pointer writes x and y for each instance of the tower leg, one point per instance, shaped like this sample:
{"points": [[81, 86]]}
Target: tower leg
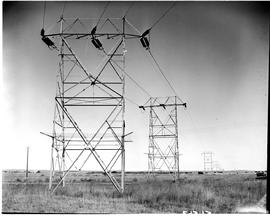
{"points": [[123, 170], [63, 168], [51, 165]]}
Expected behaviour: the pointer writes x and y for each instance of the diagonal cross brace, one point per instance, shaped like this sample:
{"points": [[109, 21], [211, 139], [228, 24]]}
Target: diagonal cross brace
{"points": [[108, 60], [161, 154], [97, 157], [89, 75], [106, 121]]}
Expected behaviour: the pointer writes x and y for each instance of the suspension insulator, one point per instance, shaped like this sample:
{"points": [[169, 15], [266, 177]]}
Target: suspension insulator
{"points": [[142, 107], [146, 32], [96, 43], [47, 41], [145, 42], [93, 31], [42, 32], [99, 43]]}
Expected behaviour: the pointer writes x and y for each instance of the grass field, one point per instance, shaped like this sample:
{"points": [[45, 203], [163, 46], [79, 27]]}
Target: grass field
{"points": [[90, 192]]}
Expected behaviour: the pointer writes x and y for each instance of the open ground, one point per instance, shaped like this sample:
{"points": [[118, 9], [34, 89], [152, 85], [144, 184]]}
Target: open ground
{"points": [[91, 192]]}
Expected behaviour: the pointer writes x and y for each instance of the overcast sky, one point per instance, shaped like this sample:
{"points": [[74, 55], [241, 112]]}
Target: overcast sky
{"points": [[214, 53]]}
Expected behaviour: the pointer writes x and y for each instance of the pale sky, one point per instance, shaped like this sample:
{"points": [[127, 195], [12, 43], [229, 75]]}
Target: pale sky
{"points": [[214, 53]]}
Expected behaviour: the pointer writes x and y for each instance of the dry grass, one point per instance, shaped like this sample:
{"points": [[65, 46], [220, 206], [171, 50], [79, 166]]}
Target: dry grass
{"points": [[79, 198], [215, 193]]}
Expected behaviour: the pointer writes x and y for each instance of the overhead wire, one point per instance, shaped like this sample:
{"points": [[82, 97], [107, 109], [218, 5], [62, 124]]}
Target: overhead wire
{"points": [[105, 8], [131, 101], [129, 24], [158, 66], [131, 5], [163, 15], [162, 73], [63, 10], [132, 79], [44, 11], [138, 85]]}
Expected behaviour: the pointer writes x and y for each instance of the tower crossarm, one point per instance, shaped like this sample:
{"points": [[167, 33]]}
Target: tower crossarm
{"points": [[84, 35], [163, 105]]}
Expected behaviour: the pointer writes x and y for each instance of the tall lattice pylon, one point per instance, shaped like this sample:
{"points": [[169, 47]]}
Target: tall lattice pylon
{"points": [[208, 161], [89, 119], [163, 148]]}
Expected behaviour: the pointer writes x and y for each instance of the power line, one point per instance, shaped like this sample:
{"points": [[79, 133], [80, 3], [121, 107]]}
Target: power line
{"points": [[165, 13], [133, 80], [64, 8], [131, 101], [137, 84], [44, 10], [131, 5], [105, 8], [162, 73]]}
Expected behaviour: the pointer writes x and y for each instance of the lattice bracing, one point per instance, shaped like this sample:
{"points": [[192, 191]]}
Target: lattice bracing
{"points": [[208, 161], [163, 149], [89, 119]]}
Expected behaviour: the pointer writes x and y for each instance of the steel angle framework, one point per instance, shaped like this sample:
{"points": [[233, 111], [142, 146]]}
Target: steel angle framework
{"points": [[208, 161], [163, 149], [89, 119]]}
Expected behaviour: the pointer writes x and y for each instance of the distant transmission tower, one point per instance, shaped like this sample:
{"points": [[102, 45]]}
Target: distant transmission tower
{"points": [[216, 166], [163, 149], [208, 161], [89, 119]]}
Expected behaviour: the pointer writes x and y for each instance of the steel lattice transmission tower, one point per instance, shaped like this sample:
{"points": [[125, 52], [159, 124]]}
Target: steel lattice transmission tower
{"points": [[208, 161], [163, 148], [89, 119]]}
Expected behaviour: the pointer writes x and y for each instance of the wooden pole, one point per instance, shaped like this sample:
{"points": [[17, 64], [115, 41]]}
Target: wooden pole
{"points": [[26, 173]]}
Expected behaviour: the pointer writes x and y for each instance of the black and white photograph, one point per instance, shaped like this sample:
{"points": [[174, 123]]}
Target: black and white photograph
{"points": [[134, 107]]}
